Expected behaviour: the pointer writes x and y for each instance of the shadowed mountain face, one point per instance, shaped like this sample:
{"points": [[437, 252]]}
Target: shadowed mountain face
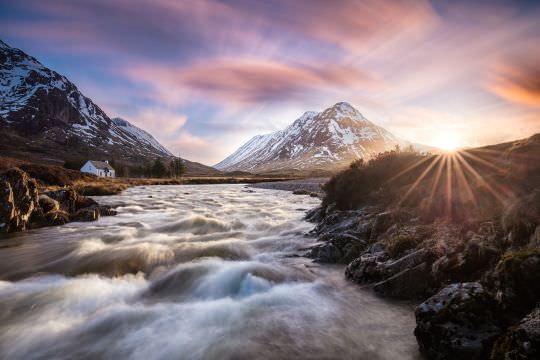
{"points": [[327, 140], [43, 116]]}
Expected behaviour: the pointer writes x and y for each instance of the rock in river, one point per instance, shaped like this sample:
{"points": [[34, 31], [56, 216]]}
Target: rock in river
{"points": [[18, 199]]}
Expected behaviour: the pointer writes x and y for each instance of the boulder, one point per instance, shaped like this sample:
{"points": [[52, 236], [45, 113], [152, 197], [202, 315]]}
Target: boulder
{"points": [[459, 322], [56, 217], [92, 212], [521, 341], [18, 199], [467, 264], [521, 219], [383, 221], [366, 268], [516, 281], [48, 204]]}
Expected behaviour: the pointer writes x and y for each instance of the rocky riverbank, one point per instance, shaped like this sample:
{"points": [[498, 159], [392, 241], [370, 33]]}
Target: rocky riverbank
{"points": [[478, 283], [308, 186], [23, 206]]}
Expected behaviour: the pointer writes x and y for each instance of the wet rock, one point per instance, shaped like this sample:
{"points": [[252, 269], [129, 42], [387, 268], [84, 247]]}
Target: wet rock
{"points": [[315, 215], [90, 213], [18, 199], [376, 267], [56, 217], [70, 201], [521, 341], [367, 268], [411, 283], [342, 221], [338, 248], [105, 210], [459, 322]]}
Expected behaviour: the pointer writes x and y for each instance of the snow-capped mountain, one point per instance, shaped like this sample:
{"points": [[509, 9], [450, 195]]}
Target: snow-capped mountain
{"points": [[327, 140], [45, 116]]}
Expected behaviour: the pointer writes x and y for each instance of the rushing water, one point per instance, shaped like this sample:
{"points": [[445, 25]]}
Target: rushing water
{"points": [[189, 272]]}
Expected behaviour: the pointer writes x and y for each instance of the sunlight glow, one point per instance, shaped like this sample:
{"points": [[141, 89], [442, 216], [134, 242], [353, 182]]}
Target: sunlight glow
{"points": [[447, 142]]}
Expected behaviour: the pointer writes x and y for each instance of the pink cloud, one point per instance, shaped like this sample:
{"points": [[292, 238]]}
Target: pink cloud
{"points": [[249, 80], [518, 81]]}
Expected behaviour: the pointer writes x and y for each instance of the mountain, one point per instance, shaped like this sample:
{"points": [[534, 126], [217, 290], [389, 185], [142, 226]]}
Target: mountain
{"points": [[328, 140], [44, 117]]}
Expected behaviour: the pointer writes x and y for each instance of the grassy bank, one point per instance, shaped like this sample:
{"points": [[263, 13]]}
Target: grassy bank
{"points": [[53, 177]]}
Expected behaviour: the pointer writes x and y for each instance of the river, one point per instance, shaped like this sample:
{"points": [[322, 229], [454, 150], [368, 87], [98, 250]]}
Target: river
{"points": [[190, 272]]}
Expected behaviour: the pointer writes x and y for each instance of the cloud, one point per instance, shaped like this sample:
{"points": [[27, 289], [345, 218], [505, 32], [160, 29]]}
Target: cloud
{"points": [[164, 123], [190, 146], [190, 29], [169, 128], [518, 81], [249, 81], [350, 24]]}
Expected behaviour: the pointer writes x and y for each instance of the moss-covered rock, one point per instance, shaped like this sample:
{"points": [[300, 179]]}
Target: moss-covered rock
{"points": [[521, 219], [516, 281], [521, 341]]}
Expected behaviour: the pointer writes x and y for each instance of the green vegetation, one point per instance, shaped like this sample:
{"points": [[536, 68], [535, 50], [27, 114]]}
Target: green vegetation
{"points": [[372, 181]]}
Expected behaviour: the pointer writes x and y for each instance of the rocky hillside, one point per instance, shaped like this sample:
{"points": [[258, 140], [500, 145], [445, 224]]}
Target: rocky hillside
{"points": [[43, 116], [327, 140]]}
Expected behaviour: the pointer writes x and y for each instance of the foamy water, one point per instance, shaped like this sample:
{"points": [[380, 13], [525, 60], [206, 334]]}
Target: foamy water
{"points": [[189, 272]]}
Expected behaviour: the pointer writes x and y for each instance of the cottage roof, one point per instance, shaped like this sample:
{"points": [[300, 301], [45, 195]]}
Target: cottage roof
{"points": [[102, 165]]}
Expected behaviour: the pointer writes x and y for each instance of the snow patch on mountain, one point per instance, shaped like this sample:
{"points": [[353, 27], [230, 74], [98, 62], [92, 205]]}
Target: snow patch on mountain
{"points": [[140, 134]]}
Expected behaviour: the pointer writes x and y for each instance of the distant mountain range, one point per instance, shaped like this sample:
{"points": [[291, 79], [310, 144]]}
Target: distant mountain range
{"points": [[43, 116], [327, 141]]}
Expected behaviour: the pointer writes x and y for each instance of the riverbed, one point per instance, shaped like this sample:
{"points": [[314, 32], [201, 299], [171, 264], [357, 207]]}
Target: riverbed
{"points": [[190, 272]]}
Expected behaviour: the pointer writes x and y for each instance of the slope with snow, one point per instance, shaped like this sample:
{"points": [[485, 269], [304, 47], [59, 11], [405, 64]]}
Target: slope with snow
{"points": [[327, 140], [44, 117]]}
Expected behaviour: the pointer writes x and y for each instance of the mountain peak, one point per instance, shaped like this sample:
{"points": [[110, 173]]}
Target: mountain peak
{"points": [[343, 105], [343, 110], [4, 46], [330, 139]]}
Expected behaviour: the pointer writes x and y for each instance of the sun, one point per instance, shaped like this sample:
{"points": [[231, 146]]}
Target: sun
{"points": [[447, 142]]}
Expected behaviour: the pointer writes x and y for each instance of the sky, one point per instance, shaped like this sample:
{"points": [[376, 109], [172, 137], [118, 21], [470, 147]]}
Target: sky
{"points": [[204, 76]]}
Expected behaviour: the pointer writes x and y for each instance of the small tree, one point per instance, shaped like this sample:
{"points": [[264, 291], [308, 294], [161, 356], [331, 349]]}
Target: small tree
{"points": [[158, 169], [177, 167], [73, 164]]}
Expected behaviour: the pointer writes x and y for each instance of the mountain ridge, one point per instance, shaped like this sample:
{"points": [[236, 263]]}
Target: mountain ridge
{"points": [[45, 117]]}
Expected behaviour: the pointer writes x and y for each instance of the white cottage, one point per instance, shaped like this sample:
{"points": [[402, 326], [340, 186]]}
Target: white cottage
{"points": [[99, 168]]}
